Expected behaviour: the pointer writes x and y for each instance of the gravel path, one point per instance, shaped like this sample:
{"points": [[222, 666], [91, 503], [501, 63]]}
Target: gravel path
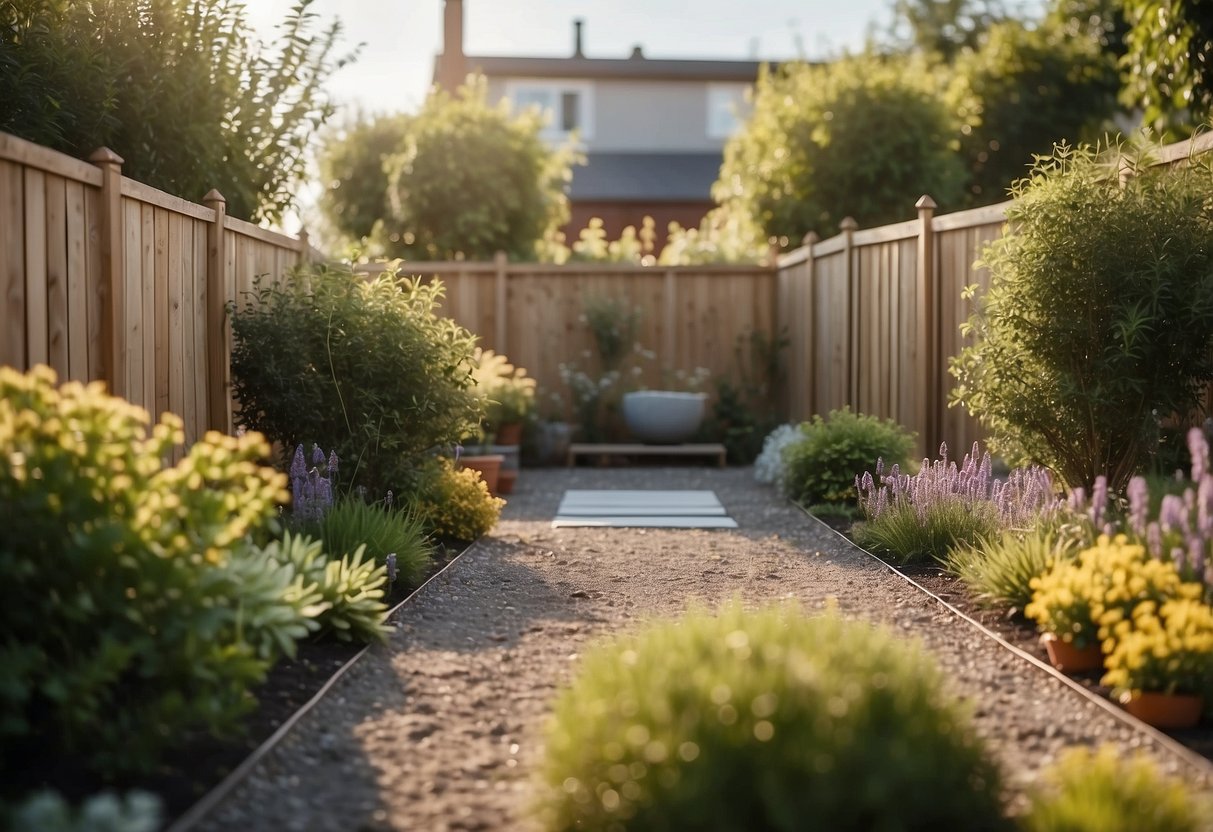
{"points": [[441, 729]]}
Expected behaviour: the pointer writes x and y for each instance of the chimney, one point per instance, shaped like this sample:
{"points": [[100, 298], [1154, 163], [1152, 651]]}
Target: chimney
{"points": [[577, 24], [451, 70]]}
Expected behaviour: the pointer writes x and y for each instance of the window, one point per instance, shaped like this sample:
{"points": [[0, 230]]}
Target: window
{"points": [[727, 109], [567, 105]]}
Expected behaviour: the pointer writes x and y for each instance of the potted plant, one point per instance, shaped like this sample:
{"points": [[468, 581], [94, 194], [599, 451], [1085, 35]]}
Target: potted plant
{"points": [[1061, 608], [1160, 659], [508, 394], [476, 453]]}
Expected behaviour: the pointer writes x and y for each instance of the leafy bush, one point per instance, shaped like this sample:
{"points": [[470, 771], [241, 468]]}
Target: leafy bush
{"points": [[383, 530], [130, 606], [473, 179], [1100, 792], [1082, 393], [823, 465], [365, 367], [106, 812], [353, 161], [943, 506], [181, 89], [805, 159], [763, 720], [999, 570], [455, 503], [347, 589]]}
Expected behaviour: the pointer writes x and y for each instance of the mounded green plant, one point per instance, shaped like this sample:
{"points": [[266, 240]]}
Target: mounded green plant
{"points": [[347, 588], [822, 466], [763, 720], [907, 535], [508, 392], [131, 608], [364, 367], [47, 811], [1100, 792], [454, 502], [999, 570], [1099, 316], [382, 530]]}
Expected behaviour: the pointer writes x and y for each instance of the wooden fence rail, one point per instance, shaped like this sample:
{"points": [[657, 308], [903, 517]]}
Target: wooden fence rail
{"points": [[107, 278]]}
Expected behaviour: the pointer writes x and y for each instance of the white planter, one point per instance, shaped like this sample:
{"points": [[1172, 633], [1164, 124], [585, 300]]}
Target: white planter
{"points": [[663, 417]]}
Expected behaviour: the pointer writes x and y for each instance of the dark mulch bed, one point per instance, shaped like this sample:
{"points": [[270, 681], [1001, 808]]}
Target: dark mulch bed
{"points": [[1016, 630], [200, 761]]}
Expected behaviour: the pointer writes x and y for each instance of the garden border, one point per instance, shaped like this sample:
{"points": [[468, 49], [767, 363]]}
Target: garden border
{"points": [[207, 803], [1176, 748]]}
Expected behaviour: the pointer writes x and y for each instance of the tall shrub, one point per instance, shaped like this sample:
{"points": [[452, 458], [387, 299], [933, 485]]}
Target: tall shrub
{"points": [[364, 367], [1099, 317], [180, 89]]}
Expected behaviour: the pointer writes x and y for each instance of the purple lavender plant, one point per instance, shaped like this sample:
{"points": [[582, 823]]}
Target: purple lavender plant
{"points": [[312, 489], [1023, 498]]}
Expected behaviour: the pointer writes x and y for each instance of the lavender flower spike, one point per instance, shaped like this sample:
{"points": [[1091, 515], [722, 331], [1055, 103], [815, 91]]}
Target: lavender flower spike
{"points": [[298, 464], [332, 463], [1198, 446]]}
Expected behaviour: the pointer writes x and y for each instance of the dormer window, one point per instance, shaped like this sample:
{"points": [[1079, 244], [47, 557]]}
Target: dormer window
{"points": [[567, 106]]}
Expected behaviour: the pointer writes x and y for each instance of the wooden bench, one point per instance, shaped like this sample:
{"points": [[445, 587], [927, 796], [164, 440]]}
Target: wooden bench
{"points": [[708, 449]]}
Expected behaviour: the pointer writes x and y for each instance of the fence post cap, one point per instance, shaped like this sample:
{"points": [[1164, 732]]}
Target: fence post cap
{"points": [[213, 196], [809, 239], [925, 201], [103, 155], [848, 224]]}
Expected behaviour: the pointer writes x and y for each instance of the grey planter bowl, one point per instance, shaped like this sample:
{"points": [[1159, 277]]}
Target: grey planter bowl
{"points": [[663, 417]]}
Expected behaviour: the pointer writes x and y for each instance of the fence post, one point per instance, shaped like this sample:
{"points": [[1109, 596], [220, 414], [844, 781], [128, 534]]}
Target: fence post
{"points": [[848, 227], [305, 248], [502, 301], [810, 371], [111, 283], [669, 318], [218, 339], [931, 390]]}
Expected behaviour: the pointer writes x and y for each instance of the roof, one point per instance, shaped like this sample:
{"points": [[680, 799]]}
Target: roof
{"points": [[635, 67], [646, 176]]}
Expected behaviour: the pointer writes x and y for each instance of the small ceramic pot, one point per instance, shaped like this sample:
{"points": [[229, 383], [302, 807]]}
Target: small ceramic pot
{"points": [[489, 466], [1164, 710], [1070, 659]]}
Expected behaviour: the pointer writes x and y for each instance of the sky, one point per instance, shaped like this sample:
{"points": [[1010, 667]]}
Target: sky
{"points": [[399, 38]]}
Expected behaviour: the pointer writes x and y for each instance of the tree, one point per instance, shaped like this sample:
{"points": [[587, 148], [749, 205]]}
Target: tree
{"points": [[1099, 317], [863, 136], [1021, 91], [178, 88], [1169, 62], [943, 28], [352, 168], [472, 179]]}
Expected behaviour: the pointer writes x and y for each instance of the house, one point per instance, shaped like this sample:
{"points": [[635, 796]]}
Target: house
{"points": [[652, 130]]}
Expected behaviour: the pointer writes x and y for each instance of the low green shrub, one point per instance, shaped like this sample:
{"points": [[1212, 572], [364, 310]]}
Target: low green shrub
{"points": [[822, 466], [345, 591], [383, 530], [907, 536], [454, 502], [1000, 570], [366, 368], [1099, 792], [130, 607], [766, 720]]}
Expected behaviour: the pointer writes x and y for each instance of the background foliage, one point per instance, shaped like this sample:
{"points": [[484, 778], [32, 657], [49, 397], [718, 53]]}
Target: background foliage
{"points": [[178, 88]]}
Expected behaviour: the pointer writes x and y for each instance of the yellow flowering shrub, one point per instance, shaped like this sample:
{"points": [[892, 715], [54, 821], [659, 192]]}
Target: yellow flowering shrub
{"points": [[1099, 587], [455, 503], [1165, 648]]}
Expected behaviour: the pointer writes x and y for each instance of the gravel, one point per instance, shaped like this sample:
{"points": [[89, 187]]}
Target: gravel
{"points": [[441, 729]]}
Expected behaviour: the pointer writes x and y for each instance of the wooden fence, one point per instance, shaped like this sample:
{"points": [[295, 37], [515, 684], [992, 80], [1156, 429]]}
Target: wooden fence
{"points": [[691, 316], [107, 278]]}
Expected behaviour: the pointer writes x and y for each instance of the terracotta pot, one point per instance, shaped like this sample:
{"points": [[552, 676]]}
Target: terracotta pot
{"points": [[506, 479], [1164, 710], [489, 465], [509, 434], [1070, 659]]}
